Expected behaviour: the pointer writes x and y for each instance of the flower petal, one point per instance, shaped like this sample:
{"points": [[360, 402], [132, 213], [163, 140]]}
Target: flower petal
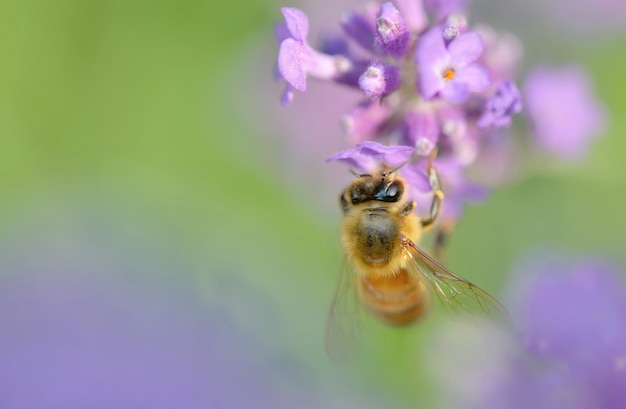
{"points": [[431, 57], [365, 121], [359, 29], [287, 97], [367, 154], [431, 47], [379, 80], [455, 91], [292, 57], [475, 76], [391, 155], [565, 111], [413, 13], [392, 34], [465, 49], [355, 159], [297, 23], [430, 82], [501, 106], [281, 32], [416, 176], [421, 129]]}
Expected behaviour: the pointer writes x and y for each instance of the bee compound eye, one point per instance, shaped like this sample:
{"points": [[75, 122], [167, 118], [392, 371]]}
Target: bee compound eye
{"points": [[356, 196], [361, 193], [394, 191]]}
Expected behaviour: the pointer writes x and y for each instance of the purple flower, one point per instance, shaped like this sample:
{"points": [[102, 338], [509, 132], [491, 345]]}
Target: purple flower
{"points": [[450, 70], [360, 29], [379, 80], [421, 131], [297, 60], [366, 121], [423, 86], [573, 311], [415, 175], [457, 188], [413, 13], [392, 34], [564, 111], [500, 107], [459, 137], [367, 155], [568, 347], [571, 314]]}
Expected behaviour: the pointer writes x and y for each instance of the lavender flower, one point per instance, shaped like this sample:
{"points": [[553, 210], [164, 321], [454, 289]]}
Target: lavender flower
{"points": [[422, 131], [413, 13], [571, 315], [564, 112], [569, 346], [366, 121], [583, 325], [499, 109], [443, 84], [459, 189], [297, 60], [379, 80], [423, 87], [450, 70], [392, 34], [368, 155], [359, 29]]}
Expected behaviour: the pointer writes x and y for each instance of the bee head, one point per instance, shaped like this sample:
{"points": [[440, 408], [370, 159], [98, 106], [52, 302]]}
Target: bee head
{"points": [[381, 186]]}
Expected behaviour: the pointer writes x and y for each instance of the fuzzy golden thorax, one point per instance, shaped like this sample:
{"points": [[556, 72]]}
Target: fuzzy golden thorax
{"points": [[376, 217]]}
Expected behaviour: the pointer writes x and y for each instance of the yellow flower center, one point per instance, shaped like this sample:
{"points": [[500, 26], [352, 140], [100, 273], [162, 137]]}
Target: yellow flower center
{"points": [[448, 74]]}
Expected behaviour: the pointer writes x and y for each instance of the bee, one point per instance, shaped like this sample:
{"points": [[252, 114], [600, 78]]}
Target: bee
{"points": [[384, 270]]}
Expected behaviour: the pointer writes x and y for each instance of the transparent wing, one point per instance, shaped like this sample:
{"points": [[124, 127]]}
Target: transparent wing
{"points": [[454, 292], [344, 328]]}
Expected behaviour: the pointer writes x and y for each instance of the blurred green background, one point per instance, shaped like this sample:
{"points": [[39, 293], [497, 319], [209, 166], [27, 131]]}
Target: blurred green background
{"points": [[126, 143]]}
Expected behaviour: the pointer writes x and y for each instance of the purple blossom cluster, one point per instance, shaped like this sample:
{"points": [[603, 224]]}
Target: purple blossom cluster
{"points": [[431, 80]]}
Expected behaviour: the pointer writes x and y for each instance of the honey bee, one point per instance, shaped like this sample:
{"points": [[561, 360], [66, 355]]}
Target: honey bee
{"points": [[384, 269]]}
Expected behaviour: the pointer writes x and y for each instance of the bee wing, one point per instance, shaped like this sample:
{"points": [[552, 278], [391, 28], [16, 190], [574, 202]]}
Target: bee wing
{"points": [[453, 291], [344, 327]]}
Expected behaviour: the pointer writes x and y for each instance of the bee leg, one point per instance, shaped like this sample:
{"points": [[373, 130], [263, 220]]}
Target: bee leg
{"points": [[344, 204], [441, 241], [406, 210], [435, 184]]}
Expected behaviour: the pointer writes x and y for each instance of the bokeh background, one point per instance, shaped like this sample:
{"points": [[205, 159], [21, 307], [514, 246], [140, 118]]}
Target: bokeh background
{"points": [[168, 232]]}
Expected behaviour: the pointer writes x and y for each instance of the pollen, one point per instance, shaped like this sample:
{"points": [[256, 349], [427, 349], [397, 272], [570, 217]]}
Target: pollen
{"points": [[449, 74]]}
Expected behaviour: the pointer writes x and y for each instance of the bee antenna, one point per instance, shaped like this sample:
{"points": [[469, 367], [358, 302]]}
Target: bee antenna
{"points": [[358, 175], [432, 156], [397, 168]]}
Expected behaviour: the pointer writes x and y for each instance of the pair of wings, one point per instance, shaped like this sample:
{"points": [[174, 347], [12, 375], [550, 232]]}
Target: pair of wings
{"points": [[344, 327]]}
